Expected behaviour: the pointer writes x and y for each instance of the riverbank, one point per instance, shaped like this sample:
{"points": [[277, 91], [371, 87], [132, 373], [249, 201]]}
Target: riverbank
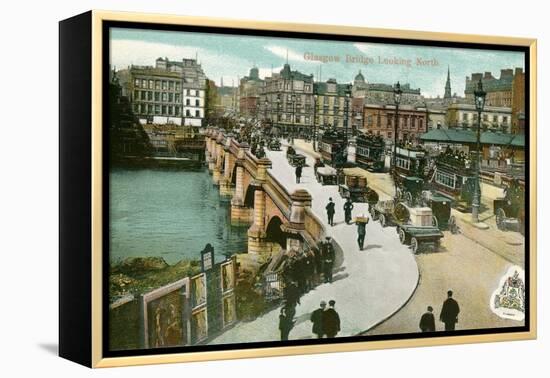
{"points": [[138, 275]]}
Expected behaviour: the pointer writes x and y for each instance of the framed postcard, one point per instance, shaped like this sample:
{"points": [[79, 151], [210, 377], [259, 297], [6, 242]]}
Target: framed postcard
{"points": [[234, 189]]}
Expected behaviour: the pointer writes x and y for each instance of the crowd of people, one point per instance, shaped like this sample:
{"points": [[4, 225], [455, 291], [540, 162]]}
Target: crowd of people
{"points": [[361, 221], [301, 272], [448, 316]]}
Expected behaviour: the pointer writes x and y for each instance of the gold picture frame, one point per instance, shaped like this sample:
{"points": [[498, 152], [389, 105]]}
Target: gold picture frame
{"points": [[92, 24]]}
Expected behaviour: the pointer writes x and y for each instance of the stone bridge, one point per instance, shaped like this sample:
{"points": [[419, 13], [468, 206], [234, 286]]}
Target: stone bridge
{"points": [[278, 219]]}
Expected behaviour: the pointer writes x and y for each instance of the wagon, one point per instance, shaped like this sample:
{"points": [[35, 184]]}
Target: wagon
{"points": [[326, 175], [297, 160], [356, 189], [441, 211], [274, 145], [391, 212], [418, 237], [510, 209], [409, 189]]}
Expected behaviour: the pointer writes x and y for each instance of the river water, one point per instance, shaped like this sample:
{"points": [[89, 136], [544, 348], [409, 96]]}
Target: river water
{"points": [[170, 214]]}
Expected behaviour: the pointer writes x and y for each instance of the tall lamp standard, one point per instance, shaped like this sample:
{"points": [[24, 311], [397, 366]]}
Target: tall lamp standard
{"points": [[346, 116], [314, 122], [396, 100], [479, 96], [278, 111], [293, 119]]}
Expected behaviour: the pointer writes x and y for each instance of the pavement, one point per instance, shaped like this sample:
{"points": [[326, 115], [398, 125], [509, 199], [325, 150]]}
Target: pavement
{"points": [[370, 285]]}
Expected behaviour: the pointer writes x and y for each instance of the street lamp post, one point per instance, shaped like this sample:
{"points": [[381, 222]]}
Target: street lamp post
{"points": [[293, 119], [314, 122], [479, 95], [346, 116], [397, 100]]}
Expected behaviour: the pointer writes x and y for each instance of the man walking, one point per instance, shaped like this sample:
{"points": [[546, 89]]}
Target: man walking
{"points": [[286, 323], [331, 320], [317, 320], [298, 173], [328, 260], [361, 230], [330, 211], [348, 207], [449, 312], [427, 321]]}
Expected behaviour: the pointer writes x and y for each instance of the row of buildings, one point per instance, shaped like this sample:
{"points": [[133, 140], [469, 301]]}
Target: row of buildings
{"points": [[171, 92], [292, 100], [175, 92]]}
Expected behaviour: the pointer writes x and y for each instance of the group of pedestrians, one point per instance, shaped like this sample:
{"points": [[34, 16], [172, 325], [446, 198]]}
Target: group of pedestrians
{"points": [[326, 321], [360, 221], [448, 316]]}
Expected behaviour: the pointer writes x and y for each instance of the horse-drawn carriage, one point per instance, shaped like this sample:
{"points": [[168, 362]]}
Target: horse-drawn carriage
{"points": [[356, 189], [274, 144], [413, 225], [295, 159], [510, 209]]}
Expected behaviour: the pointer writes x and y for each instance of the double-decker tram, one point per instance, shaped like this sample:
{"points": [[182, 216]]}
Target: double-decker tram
{"points": [[369, 152]]}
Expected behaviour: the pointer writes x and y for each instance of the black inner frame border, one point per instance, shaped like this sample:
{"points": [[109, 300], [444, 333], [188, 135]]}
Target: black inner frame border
{"points": [[107, 25]]}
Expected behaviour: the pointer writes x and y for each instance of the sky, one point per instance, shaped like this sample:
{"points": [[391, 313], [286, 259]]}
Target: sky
{"points": [[232, 56]]}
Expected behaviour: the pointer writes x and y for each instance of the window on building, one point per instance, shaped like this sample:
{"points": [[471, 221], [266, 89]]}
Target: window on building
{"points": [[171, 85], [157, 109], [143, 108], [177, 86], [189, 92], [170, 97], [504, 119], [150, 84], [149, 96], [197, 113], [369, 120], [164, 96], [495, 118], [136, 108], [187, 101], [136, 83], [144, 83], [177, 97], [143, 95], [164, 85], [163, 109], [157, 96], [465, 116], [136, 94], [197, 103], [420, 123], [157, 84], [485, 117], [389, 134], [188, 113], [149, 109], [177, 110], [170, 109]]}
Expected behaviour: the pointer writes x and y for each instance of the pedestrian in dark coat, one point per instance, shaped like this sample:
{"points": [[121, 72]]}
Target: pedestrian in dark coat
{"points": [[317, 320], [348, 207], [449, 312], [330, 211], [286, 323], [309, 269], [328, 260], [318, 258], [331, 320], [298, 172], [427, 321], [361, 223]]}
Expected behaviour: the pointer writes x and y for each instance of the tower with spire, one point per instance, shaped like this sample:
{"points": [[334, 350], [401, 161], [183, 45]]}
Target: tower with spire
{"points": [[448, 94]]}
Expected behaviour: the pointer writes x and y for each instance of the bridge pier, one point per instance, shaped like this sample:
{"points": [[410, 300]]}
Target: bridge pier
{"points": [[257, 243], [240, 214], [296, 227], [226, 187]]}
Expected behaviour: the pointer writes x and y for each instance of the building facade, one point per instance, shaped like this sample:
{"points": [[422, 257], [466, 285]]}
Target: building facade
{"points": [[518, 102], [499, 91], [379, 120], [287, 99], [155, 94], [171, 92], [333, 104], [250, 89], [464, 115]]}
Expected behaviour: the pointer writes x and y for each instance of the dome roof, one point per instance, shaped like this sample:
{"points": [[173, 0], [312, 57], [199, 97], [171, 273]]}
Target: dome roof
{"points": [[359, 77]]}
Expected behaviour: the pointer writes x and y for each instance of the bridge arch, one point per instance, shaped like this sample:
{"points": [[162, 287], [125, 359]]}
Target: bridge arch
{"points": [[274, 232]]}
